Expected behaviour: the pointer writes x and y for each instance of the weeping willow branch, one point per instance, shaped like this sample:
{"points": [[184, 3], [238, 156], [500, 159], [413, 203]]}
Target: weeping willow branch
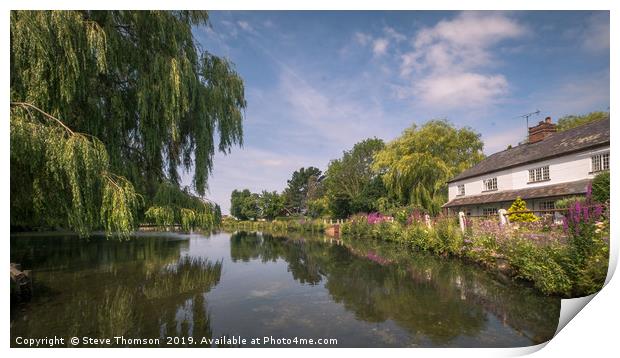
{"points": [[61, 178], [173, 206]]}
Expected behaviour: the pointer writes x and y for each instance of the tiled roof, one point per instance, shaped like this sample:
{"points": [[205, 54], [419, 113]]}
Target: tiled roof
{"points": [[562, 189], [579, 138]]}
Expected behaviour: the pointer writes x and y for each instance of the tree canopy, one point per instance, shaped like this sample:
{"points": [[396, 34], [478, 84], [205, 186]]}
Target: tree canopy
{"points": [[302, 182], [416, 166], [351, 184], [572, 121], [246, 205], [134, 95]]}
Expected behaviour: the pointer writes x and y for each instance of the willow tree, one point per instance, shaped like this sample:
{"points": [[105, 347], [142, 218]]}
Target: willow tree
{"points": [[416, 166], [136, 81]]}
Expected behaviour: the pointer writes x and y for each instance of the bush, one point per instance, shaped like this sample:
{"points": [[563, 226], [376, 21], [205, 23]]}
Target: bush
{"points": [[600, 188], [539, 265], [481, 249], [519, 205]]}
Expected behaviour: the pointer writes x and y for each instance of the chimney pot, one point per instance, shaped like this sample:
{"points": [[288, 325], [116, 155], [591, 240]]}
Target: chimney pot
{"points": [[541, 131]]}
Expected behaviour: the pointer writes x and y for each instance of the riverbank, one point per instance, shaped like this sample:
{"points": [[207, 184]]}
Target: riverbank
{"points": [[277, 226], [568, 262]]}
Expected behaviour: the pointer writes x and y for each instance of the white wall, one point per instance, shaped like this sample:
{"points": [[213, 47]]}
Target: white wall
{"points": [[572, 167]]}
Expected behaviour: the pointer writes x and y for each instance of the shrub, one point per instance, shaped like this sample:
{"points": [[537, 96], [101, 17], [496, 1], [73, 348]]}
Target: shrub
{"points": [[567, 202], [449, 237], [539, 265], [519, 205], [600, 188]]}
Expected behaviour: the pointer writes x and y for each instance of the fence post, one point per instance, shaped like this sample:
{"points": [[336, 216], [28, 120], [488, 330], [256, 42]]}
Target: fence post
{"points": [[462, 221], [427, 220], [503, 218]]}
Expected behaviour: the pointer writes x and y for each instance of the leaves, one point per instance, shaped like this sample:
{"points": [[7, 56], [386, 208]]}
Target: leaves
{"points": [[137, 81], [416, 166], [61, 178]]}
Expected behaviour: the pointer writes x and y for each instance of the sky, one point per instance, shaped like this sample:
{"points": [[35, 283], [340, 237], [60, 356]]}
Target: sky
{"points": [[318, 82]]}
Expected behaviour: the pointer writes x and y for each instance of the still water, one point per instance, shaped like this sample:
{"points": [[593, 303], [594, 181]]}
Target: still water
{"points": [[363, 293]]}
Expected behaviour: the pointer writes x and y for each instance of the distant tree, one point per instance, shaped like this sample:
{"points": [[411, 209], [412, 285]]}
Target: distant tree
{"points": [[238, 202], [601, 187], [271, 204], [340, 206], [296, 192], [318, 207], [517, 206], [416, 166], [573, 121]]}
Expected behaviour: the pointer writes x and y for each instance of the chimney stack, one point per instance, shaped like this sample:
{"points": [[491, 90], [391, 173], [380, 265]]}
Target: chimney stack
{"points": [[541, 131]]}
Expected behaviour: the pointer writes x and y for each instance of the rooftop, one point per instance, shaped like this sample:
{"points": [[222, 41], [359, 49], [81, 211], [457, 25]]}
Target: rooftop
{"points": [[561, 189], [557, 144]]}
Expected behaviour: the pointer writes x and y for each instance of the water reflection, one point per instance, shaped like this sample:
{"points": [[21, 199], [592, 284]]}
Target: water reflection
{"points": [[437, 298], [365, 293], [138, 289]]}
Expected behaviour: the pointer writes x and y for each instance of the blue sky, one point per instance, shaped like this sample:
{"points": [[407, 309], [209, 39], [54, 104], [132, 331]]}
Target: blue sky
{"points": [[318, 82]]}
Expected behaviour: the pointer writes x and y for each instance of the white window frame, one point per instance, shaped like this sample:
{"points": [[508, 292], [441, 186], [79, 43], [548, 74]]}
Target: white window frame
{"points": [[600, 162], [489, 184], [489, 211], [546, 205], [460, 190], [539, 174]]}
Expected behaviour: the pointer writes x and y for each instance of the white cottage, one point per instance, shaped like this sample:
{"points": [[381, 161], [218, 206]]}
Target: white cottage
{"points": [[549, 166]]}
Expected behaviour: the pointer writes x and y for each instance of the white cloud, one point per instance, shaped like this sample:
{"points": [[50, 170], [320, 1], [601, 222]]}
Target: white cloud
{"points": [[379, 46], [334, 115], [448, 64], [460, 89], [393, 34], [244, 25], [362, 38]]}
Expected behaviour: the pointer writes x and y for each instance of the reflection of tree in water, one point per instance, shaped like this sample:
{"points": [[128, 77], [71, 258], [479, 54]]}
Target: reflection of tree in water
{"points": [[377, 281], [161, 295], [302, 262]]}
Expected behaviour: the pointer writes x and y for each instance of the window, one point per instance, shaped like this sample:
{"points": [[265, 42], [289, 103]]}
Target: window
{"points": [[600, 162], [489, 211], [546, 205], [539, 174], [490, 184], [461, 190]]}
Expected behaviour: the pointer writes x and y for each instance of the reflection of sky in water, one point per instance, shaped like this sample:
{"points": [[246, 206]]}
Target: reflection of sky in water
{"points": [[285, 288]]}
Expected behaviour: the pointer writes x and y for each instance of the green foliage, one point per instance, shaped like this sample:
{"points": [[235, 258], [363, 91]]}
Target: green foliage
{"points": [[60, 178], [245, 205], [416, 166], [516, 214], [146, 98], [576, 268], [134, 79], [573, 121], [270, 204], [318, 208], [172, 206], [601, 187], [568, 201], [540, 265], [302, 182], [162, 216], [352, 186], [285, 225]]}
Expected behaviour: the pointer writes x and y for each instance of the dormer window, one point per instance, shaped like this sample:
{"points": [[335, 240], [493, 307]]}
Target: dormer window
{"points": [[539, 174], [461, 190], [489, 184]]}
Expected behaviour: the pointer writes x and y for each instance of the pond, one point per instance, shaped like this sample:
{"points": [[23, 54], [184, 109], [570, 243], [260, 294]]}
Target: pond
{"points": [[253, 285]]}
